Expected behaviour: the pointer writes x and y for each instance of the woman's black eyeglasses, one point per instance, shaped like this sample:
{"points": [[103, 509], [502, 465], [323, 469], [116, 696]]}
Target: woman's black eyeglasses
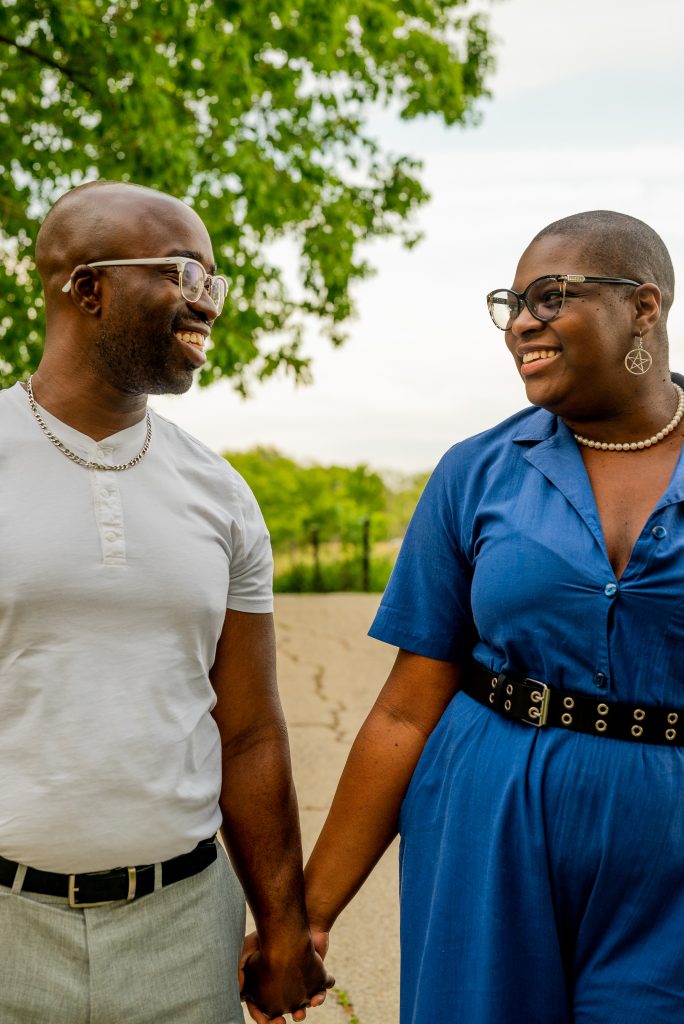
{"points": [[544, 297]]}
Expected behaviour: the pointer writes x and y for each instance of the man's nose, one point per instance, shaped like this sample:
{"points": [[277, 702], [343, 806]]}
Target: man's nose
{"points": [[205, 305]]}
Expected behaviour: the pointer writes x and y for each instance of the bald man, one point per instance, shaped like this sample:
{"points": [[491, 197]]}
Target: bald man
{"points": [[138, 702]]}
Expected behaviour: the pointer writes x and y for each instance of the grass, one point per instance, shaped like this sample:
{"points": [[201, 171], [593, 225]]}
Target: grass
{"points": [[345, 1002], [340, 568]]}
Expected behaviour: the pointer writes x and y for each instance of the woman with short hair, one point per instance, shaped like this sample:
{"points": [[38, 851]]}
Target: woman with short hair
{"points": [[529, 742]]}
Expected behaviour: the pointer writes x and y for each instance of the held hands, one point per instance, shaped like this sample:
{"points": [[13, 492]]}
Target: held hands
{"points": [[272, 985]]}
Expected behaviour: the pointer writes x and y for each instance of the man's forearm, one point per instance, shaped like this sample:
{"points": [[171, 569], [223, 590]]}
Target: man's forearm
{"points": [[260, 820], [261, 828]]}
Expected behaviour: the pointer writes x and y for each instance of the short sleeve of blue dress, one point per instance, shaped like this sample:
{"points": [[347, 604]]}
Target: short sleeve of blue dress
{"points": [[542, 871], [426, 607]]}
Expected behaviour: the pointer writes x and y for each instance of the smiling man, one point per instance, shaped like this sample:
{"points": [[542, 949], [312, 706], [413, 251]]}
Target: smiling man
{"points": [[138, 702]]}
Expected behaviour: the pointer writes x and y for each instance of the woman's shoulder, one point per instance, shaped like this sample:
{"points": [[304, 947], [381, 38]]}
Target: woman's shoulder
{"points": [[488, 461], [529, 424]]}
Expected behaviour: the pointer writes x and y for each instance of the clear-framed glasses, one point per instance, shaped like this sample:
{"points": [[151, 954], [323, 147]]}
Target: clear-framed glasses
{"points": [[544, 297], [192, 277]]}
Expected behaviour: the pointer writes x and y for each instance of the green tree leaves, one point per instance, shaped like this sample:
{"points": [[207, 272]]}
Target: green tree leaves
{"points": [[254, 112], [295, 499], [312, 510]]}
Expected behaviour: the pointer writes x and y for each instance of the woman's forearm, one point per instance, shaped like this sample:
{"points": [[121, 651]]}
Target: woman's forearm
{"points": [[364, 815]]}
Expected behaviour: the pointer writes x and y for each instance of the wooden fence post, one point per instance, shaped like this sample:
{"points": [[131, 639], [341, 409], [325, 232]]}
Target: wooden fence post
{"points": [[365, 558], [317, 581]]}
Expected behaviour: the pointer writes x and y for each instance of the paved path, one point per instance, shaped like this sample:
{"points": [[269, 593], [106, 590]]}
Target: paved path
{"points": [[330, 673]]}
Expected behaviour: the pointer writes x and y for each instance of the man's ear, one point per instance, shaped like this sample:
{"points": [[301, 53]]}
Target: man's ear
{"points": [[86, 289]]}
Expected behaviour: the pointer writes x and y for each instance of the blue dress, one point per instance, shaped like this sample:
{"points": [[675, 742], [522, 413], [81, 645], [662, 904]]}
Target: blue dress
{"points": [[542, 871]]}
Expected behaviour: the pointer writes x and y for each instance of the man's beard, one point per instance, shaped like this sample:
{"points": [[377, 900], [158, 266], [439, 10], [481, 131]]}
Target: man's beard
{"points": [[144, 366]]}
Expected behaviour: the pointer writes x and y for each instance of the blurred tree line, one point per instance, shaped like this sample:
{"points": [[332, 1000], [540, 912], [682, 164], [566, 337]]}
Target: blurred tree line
{"points": [[332, 527]]}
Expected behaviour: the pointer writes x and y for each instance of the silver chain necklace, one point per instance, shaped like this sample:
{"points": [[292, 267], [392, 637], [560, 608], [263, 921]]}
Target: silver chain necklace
{"points": [[77, 458]]}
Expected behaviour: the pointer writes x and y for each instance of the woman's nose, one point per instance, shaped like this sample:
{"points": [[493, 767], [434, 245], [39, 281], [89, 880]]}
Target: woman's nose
{"points": [[524, 322]]}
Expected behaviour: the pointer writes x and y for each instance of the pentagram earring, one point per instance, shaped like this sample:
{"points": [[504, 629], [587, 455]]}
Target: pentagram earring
{"points": [[638, 360]]}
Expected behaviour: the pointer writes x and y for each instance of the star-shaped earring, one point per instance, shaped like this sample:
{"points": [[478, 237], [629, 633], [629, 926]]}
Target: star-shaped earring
{"points": [[638, 360]]}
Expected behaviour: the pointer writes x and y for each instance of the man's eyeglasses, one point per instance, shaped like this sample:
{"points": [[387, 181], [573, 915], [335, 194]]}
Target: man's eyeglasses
{"points": [[544, 297], [192, 277]]}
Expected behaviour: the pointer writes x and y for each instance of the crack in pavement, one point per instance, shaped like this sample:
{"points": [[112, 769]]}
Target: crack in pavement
{"points": [[336, 706]]}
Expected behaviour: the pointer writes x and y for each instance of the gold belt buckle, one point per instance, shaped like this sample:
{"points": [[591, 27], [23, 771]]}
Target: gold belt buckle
{"points": [[73, 889], [538, 711]]}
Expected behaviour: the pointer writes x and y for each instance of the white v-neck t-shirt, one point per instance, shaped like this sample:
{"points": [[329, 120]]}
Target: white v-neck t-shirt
{"points": [[113, 591]]}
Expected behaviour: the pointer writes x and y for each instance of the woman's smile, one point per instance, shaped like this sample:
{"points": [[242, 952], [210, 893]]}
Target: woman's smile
{"points": [[537, 360]]}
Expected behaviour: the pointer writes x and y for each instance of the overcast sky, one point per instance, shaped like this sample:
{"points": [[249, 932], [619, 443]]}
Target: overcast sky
{"points": [[586, 114]]}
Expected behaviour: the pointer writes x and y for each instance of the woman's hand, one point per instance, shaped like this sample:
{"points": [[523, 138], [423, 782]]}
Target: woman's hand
{"points": [[321, 940]]}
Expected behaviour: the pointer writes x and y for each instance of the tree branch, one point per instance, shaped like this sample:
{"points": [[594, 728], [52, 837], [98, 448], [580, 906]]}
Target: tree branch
{"points": [[30, 52]]}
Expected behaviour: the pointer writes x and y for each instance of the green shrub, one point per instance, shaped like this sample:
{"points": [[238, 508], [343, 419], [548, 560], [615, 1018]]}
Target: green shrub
{"points": [[341, 574]]}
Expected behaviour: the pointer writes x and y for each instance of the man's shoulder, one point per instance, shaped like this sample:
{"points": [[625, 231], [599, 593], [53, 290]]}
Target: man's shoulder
{"points": [[14, 407], [9, 396], [187, 449], [179, 436]]}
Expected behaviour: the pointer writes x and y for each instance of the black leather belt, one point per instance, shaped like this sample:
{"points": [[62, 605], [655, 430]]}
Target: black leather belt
{"points": [[95, 888], [536, 703]]}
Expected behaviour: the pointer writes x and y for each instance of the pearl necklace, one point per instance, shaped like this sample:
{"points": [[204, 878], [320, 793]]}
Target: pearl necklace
{"points": [[632, 446], [100, 466]]}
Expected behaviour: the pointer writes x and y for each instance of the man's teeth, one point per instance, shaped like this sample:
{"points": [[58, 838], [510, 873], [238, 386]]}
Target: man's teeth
{"points": [[191, 338], [531, 357]]}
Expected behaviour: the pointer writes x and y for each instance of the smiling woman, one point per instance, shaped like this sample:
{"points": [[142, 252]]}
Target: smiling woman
{"points": [[592, 323], [528, 743]]}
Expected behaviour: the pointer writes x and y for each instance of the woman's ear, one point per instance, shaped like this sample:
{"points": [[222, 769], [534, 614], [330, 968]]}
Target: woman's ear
{"points": [[648, 304]]}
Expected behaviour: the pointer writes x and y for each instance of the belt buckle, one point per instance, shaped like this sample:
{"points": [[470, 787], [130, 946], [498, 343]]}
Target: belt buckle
{"points": [[72, 889], [538, 711]]}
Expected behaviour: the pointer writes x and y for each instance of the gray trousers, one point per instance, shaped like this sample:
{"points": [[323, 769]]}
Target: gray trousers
{"points": [[168, 957]]}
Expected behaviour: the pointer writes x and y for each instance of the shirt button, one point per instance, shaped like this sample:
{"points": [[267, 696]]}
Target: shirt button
{"points": [[610, 590], [111, 536], [659, 532], [599, 679]]}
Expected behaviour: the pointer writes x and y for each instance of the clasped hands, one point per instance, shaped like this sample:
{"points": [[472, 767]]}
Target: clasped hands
{"points": [[272, 984]]}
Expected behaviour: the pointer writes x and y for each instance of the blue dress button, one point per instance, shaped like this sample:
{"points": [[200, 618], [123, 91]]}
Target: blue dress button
{"points": [[610, 590], [599, 679], [659, 532]]}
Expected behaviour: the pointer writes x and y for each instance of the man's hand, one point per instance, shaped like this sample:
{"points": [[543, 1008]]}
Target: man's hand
{"points": [[272, 986]]}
